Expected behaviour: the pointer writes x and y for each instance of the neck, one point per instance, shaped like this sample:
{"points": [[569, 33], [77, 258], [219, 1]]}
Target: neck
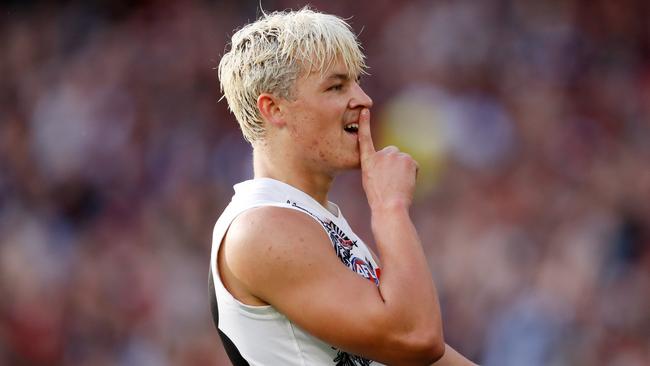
{"points": [[293, 172]]}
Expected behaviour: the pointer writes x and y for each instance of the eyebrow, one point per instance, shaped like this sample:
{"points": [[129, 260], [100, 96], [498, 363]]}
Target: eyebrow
{"points": [[337, 76]]}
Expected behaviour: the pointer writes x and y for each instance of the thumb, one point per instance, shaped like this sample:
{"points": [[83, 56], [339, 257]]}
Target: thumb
{"points": [[366, 146]]}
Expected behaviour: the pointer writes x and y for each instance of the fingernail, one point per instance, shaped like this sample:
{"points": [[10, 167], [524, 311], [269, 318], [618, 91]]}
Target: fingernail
{"points": [[364, 112]]}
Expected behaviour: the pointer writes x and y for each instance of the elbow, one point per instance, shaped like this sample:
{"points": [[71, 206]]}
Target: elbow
{"points": [[432, 348], [428, 342], [411, 342], [437, 350], [423, 348]]}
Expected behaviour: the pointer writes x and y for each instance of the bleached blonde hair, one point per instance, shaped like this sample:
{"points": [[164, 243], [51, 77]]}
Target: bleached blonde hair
{"points": [[270, 54]]}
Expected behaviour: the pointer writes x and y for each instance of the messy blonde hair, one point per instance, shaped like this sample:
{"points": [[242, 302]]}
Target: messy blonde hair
{"points": [[270, 54]]}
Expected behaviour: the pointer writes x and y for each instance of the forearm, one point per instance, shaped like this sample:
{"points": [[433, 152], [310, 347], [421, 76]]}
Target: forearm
{"points": [[409, 312], [406, 284], [453, 358]]}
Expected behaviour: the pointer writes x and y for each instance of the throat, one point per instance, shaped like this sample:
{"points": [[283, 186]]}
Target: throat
{"points": [[294, 173]]}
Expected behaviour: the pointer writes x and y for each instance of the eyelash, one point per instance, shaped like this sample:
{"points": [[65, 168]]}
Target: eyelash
{"points": [[336, 87], [339, 87]]}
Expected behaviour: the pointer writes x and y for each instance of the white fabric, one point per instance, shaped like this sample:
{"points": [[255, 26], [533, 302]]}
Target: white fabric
{"points": [[262, 335]]}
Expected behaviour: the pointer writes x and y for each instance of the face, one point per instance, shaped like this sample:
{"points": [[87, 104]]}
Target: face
{"points": [[322, 118]]}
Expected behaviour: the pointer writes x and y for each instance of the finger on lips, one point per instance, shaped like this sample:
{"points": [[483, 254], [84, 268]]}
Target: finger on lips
{"points": [[366, 146]]}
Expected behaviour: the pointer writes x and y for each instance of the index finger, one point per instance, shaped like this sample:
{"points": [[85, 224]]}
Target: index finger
{"points": [[366, 146]]}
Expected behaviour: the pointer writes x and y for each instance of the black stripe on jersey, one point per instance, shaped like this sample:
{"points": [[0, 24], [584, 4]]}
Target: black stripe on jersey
{"points": [[233, 353]]}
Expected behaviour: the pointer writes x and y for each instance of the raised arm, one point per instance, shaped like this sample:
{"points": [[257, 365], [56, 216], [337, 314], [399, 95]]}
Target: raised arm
{"points": [[283, 257], [389, 180], [406, 285]]}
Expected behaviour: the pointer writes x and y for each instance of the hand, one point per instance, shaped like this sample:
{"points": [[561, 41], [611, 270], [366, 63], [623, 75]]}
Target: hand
{"points": [[388, 175]]}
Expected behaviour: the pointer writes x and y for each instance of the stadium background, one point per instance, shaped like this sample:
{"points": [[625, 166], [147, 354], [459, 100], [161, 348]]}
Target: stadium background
{"points": [[531, 120]]}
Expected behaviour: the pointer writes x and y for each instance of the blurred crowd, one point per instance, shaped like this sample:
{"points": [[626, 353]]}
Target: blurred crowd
{"points": [[530, 119]]}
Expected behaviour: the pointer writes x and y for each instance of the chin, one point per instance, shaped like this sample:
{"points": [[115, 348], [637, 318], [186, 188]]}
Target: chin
{"points": [[347, 163], [352, 165]]}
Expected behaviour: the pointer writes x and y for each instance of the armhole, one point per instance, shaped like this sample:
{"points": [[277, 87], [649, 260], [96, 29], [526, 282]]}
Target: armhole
{"points": [[220, 289]]}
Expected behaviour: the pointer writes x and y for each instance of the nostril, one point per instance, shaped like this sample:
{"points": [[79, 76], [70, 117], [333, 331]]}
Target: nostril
{"points": [[360, 98]]}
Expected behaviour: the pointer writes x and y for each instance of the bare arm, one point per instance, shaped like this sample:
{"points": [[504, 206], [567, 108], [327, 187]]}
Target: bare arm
{"points": [[282, 257], [406, 286], [391, 225]]}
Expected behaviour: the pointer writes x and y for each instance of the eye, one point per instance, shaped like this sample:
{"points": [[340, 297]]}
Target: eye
{"points": [[336, 87]]}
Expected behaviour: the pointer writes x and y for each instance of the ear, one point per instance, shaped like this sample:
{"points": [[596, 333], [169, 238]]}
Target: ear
{"points": [[269, 107]]}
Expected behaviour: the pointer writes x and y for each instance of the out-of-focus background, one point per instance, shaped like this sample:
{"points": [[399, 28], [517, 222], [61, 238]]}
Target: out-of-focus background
{"points": [[530, 119]]}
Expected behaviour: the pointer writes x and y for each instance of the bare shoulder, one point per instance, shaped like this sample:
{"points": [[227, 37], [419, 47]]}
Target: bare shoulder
{"points": [[271, 228], [267, 245]]}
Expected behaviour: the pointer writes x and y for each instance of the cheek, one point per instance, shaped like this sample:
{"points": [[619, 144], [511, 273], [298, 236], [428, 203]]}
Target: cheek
{"points": [[308, 135], [316, 137], [321, 147]]}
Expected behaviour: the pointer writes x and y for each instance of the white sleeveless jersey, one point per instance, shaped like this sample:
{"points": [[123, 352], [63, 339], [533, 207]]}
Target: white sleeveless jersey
{"points": [[260, 335]]}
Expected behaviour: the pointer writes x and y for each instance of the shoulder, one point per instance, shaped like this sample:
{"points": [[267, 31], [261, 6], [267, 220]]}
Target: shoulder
{"points": [[259, 227], [267, 242]]}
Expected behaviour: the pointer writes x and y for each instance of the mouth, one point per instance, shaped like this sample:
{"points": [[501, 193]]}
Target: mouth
{"points": [[351, 128]]}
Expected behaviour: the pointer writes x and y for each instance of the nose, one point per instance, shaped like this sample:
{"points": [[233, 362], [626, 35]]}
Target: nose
{"points": [[359, 97]]}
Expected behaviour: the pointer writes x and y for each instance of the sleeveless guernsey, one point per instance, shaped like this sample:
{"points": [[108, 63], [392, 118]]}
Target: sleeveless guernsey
{"points": [[260, 335]]}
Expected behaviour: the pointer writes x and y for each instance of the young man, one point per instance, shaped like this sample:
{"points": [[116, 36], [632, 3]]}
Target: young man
{"points": [[291, 283]]}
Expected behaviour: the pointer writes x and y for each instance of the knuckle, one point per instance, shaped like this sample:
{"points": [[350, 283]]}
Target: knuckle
{"points": [[406, 157]]}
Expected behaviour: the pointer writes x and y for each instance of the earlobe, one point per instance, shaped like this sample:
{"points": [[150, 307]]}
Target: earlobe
{"points": [[270, 109]]}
